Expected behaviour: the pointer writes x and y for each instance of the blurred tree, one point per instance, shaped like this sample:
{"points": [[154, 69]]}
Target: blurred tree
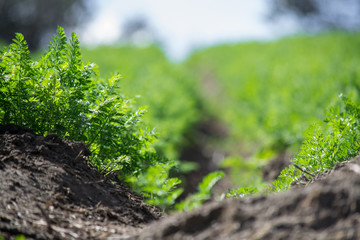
{"points": [[38, 19], [320, 14]]}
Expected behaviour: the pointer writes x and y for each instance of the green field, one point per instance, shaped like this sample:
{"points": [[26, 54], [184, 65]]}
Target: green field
{"points": [[266, 94], [169, 91], [246, 102], [269, 93]]}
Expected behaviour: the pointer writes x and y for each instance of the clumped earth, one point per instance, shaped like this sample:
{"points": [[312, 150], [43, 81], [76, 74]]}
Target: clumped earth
{"points": [[204, 154], [49, 191], [327, 208]]}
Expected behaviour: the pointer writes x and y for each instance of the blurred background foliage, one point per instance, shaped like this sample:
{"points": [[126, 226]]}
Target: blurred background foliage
{"points": [[169, 91], [262, 94], [270, 92]]}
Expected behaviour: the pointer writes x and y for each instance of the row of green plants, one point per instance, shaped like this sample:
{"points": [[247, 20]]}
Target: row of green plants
{"points": [[268, 94], [172, 95], [324, 147], [58, 94], [336, 139], [266, 100], [169, 91]]}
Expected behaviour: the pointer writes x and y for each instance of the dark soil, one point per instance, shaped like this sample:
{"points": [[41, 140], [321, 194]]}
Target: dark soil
{"points": [[201, 150], [49, 191], [274, 167], [328, 208]]}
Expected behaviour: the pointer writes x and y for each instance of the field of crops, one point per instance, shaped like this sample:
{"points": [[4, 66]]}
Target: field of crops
{"points": [[268, 94], [265, 94], [170, 92], [231, 107]]}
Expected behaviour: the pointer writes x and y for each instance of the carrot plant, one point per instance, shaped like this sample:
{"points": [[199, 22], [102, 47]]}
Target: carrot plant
{"points": [[156, 186], [323, 147], [61, 94], [241, 192]]}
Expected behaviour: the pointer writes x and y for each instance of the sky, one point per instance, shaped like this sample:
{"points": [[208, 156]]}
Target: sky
{"points": [[184, 25]]}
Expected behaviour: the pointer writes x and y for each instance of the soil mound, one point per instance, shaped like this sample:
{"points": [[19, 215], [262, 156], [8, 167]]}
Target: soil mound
{"points": [[328, 208], [49, 191]]}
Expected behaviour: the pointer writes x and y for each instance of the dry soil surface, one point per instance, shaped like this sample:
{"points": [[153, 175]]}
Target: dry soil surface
{"points": [[327, 208], [49, 191]]}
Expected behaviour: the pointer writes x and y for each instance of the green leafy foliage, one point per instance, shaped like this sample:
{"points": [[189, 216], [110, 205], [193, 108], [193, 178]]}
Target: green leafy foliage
{"points": [[204, 193], [162, 191], [17, 237], [241, 192], [322, 149], [243, 172], [156, 185], [59, 94], [269, 93], [20, 237], [170, 91], [267, 100], [46, 96]]}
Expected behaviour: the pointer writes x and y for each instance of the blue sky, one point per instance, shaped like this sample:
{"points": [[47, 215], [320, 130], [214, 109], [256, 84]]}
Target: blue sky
{"points": [[183, 25]]}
